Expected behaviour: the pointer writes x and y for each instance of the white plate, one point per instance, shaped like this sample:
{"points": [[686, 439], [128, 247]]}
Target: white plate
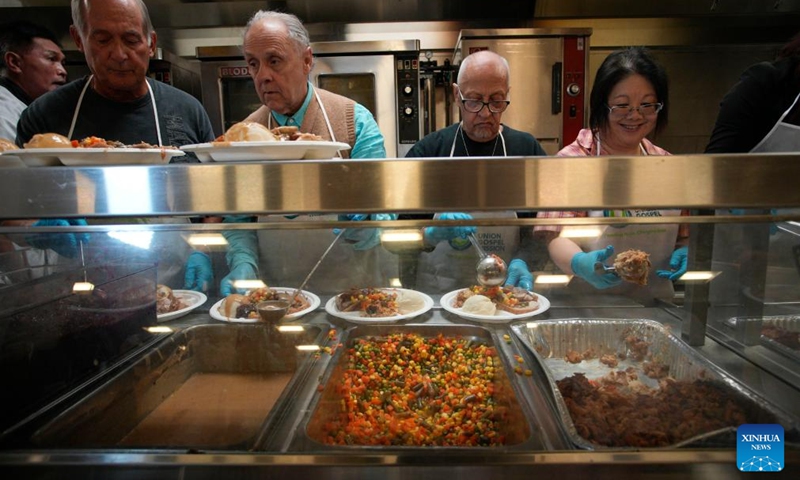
{"points": [[79, 157], [313, 300], [356, 317], [190, 298], [252, 151], [9, 160], [500, 316]]}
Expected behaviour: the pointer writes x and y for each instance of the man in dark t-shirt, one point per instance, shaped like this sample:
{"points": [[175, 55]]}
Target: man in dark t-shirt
{"points": [[482, 96], [118, 101]]}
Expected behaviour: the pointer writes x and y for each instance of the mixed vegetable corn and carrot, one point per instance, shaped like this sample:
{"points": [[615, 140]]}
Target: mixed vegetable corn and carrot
{"points": [[408, 390]]}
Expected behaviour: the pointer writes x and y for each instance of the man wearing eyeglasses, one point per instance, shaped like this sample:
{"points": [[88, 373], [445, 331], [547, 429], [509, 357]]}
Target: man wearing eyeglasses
{"points": [[482, 93]]}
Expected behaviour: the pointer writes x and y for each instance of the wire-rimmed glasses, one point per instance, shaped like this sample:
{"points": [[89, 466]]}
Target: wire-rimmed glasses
{"points": [[645, 109]]}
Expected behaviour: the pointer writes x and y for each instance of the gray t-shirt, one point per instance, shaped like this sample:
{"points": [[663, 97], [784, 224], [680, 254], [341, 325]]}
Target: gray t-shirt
{"points": [[182, 118]]}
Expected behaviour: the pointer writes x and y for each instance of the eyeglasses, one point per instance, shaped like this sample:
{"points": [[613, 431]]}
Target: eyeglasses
{"points": [[475, 106], [645, 109]]}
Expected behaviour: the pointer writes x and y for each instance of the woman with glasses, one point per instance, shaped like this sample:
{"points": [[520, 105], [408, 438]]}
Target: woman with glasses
{"points": [[629, 100], [482, 95]]}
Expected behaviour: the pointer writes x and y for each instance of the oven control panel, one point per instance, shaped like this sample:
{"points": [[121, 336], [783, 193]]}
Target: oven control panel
{"points": [[409, 125]]}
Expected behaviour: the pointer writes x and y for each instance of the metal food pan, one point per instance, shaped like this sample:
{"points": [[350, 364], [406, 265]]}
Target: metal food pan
{"points": [[513, 416], [649, 344], [206, 387], [789, 324]]}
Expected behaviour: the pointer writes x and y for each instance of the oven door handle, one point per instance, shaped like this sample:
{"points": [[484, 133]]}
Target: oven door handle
{"points": [[556, 93]]}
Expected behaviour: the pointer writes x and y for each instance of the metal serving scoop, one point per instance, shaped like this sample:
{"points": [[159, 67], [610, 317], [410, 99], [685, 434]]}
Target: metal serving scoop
{"points": [[599, 266], [491, 270]]}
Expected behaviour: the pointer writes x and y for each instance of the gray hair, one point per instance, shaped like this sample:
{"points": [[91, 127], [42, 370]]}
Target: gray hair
{"points": [[469, 59], [297, 32], [79, 18]]}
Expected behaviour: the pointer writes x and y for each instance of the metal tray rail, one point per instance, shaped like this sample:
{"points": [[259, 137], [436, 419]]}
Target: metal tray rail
{"points": [[123, 403], [521, 424], [550, 340]]}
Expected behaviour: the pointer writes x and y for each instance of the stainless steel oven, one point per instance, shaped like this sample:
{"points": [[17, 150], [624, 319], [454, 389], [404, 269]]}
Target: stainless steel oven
{"points": [[381, 75]]}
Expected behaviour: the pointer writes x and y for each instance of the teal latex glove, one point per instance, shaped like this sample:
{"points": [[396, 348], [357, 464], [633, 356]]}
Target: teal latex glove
{"points": [[64, 244], [454, 235], [519, 275], [678, 264], [583, 266], [199, 272], [773, 229], [363, 238], [242, 259]]}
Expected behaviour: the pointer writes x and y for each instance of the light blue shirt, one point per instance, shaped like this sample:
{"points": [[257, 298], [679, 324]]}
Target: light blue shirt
{"points": [[369, 140]]}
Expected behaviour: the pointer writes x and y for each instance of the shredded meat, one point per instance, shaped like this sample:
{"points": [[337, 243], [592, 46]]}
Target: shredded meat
{"points": [[609, 360], [618, 411], [637, 347], [655, 370], [573, 357], [633, 266], [781, 335]]}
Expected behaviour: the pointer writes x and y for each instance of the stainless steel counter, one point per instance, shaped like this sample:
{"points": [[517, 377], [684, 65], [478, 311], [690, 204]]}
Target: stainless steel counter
{"points": [[706, 464]]}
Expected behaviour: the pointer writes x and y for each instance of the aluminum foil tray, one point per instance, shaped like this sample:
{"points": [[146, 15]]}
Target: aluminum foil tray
{"points": [[206, 387], [779, 333], [511, 415], [637, 345]]}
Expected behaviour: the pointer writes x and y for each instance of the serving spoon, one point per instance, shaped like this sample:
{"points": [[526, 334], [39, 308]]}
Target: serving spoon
{"points": [[491, 270]]}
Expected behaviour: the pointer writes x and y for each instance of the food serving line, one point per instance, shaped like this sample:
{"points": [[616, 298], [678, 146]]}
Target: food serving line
{"points": [[289, 433], [279, 442]]}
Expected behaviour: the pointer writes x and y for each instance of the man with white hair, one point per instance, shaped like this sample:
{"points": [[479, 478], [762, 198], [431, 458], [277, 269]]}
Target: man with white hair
{"points": [[117, 101], [278, 53]]}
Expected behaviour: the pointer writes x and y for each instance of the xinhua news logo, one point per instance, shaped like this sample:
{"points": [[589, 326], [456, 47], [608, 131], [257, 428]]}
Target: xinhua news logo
{"points": [[759, 448]]}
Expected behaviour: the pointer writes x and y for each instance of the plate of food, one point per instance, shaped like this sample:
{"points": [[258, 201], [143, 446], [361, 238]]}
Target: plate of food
{"points": [[8, 159], [237, 308], [250, 141], [257, 151], [51, 149], [172, 304], [378, 305], [498, 304]]}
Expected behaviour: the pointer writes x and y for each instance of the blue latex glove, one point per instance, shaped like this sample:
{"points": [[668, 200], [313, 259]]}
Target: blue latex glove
{"points": [[199, 273], [583, 266], [64, 244], [678, 264], [242, 259], [363, 238], [454, 235], [773, 229], [519, 275]]}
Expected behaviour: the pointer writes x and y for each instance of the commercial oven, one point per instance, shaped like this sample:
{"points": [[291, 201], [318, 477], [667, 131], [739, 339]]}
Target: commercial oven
{"points": [[383, 76], [549, 80]]}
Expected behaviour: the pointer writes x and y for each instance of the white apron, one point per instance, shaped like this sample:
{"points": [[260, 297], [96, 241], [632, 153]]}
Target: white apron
{"points": [[287, 256], [167, 249], [728, 242], [448, 268], [657, 240], [784, 137]]}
